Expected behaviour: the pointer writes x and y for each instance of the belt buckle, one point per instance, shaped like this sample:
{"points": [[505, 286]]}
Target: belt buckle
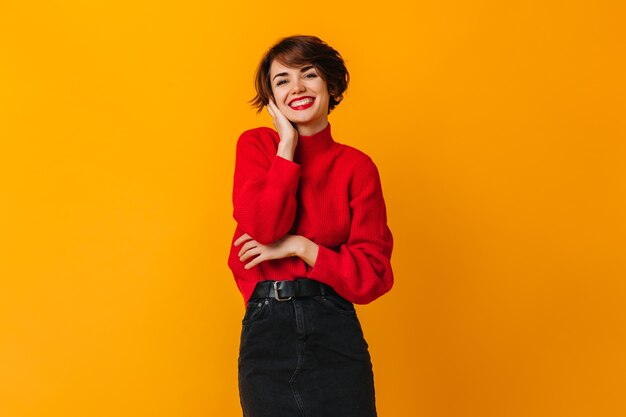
{"points": [[276, 293]]}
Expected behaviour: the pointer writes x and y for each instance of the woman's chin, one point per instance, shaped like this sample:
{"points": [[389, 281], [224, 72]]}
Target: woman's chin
{"points": [[298, 120]]}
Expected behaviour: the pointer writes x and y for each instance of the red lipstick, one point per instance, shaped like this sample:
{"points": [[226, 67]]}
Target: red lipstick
{"points": [[304, 106]]}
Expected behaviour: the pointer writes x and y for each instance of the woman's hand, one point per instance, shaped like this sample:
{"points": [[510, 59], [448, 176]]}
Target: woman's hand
{"points": [[285, 247], [286, 131]]}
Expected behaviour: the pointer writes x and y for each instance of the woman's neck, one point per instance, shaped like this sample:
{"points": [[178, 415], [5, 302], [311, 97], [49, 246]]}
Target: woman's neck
{"points": [[309, 129]]}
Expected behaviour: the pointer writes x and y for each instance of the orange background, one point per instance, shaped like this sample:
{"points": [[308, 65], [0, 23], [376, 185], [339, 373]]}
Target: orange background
{"points": [[499, 131]]}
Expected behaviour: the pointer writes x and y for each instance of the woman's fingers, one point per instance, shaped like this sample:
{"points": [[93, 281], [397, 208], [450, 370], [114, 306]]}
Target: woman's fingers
{"points": [[286, 130], [269, 109], [242, 239], [254, 262], [252, 249], [277, 114], [249, 254], [282, 248], [247, 246]]}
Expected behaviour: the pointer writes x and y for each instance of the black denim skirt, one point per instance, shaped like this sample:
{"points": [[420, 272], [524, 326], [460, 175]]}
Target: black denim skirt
{"points": [[305, 357]]}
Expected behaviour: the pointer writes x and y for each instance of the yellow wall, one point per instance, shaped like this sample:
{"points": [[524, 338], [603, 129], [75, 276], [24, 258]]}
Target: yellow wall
{"points": [[499, 131]]}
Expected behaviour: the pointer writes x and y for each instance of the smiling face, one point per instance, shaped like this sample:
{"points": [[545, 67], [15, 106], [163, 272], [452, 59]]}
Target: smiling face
{"points": [[302, 96]]}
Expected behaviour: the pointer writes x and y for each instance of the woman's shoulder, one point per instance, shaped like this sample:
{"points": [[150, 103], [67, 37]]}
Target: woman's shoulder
{"points": [[357, 157], [261, 138], [259, 133], [361, 167]]}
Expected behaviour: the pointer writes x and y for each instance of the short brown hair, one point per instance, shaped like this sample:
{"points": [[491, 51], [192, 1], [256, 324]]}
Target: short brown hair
{"points": [[296, 51]]}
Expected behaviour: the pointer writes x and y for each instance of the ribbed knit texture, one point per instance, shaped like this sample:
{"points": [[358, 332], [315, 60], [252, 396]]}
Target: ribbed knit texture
{"points": [[331, 193]]}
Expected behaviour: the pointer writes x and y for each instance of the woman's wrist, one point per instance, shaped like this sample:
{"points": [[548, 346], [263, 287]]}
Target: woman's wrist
{"points": [[286, 150], [306, 250]]}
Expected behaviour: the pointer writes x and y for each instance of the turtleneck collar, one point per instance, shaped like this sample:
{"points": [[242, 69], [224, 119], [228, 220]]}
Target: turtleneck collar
{"points": [[316, 142]]}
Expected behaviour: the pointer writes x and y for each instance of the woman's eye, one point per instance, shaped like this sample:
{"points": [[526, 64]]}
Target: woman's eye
{"points": [[309, 75]]}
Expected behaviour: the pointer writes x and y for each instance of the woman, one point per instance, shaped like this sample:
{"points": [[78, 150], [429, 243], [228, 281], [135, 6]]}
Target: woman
{"points": [[311, 240]]}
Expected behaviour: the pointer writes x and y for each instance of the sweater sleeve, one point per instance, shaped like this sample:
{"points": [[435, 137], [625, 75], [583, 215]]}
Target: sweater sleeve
{"points": [[264, 190], [360, 271]]}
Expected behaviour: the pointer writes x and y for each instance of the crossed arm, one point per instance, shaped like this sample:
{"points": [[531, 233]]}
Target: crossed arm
{"points": [[289, 245]]}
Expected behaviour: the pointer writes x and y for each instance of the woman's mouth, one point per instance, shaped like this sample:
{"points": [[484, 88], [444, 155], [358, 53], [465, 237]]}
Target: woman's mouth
{"points": [[303, 103]]}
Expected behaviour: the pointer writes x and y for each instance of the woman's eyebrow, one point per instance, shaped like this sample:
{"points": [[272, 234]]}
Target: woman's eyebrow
{"points": [[303, 69]]}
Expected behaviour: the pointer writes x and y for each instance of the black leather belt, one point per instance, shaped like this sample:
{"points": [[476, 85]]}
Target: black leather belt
{"points": [[284, 290]]}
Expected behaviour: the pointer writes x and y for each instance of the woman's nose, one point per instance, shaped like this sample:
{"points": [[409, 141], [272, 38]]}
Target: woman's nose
{"points": [[298, 86]]}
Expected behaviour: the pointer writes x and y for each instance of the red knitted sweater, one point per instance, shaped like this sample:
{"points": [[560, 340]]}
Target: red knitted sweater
{"points": [[331, 194]]}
